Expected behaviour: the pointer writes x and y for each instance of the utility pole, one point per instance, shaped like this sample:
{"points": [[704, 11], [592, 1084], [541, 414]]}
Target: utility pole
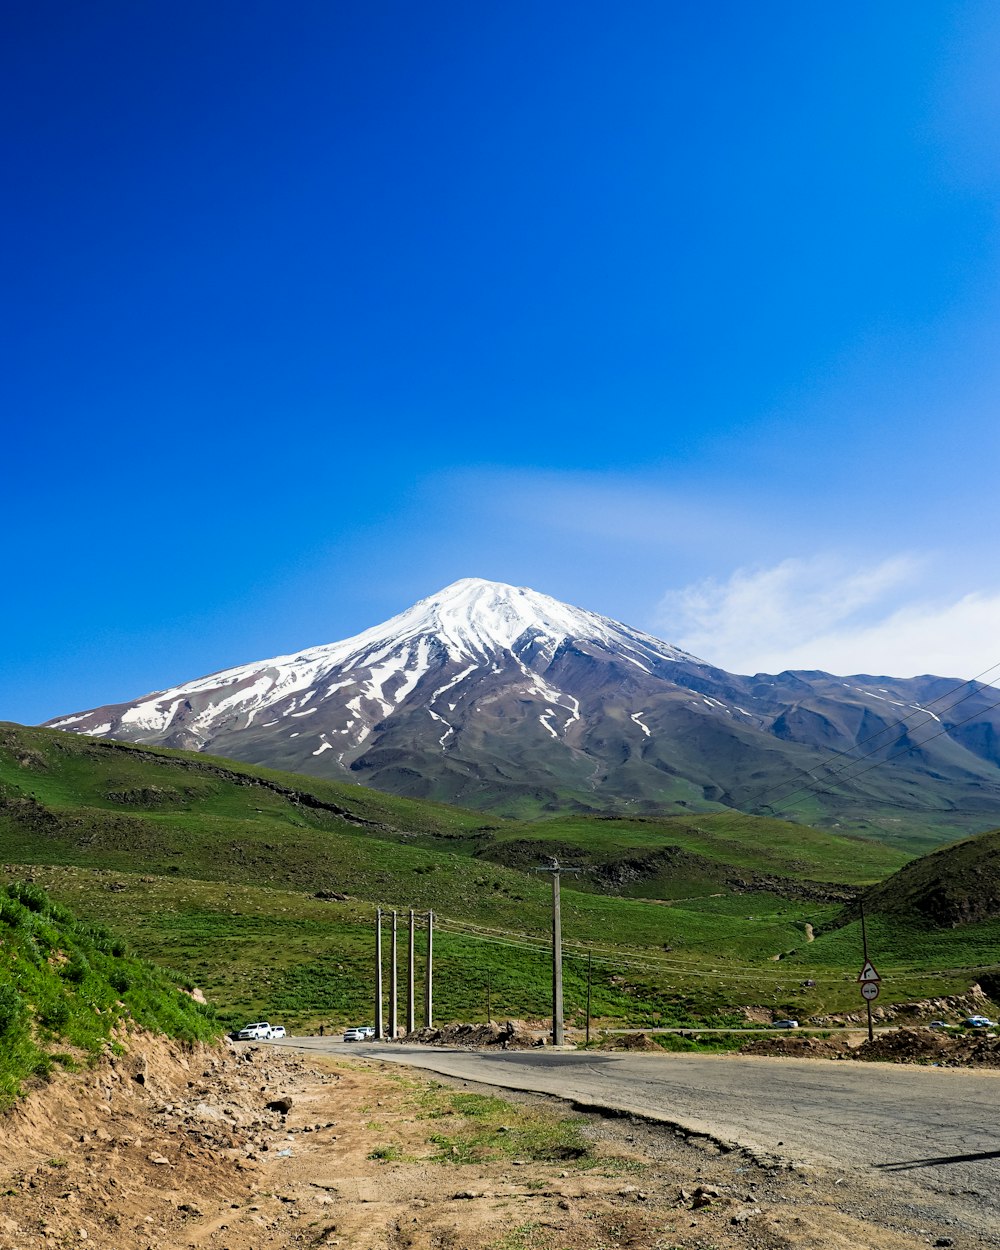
{"points": [[558, 1037], [392, 984], [429, 983], [411, 1023], [378, 974], [558, 1032], [590, 968], [489, 977]]}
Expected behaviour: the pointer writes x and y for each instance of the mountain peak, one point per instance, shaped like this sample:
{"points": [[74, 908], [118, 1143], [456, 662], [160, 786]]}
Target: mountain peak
{"points": [[475, 618], [471, 627]]}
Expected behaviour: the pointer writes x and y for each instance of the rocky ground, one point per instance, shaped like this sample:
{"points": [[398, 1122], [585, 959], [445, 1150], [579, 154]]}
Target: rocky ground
{"points": [[254, 1148], [916, 1045]]}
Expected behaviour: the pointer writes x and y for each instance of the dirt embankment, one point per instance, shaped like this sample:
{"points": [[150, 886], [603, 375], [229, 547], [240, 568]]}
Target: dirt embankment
{"points": [[510, 1035], [252, 1148], [903, 1045]]}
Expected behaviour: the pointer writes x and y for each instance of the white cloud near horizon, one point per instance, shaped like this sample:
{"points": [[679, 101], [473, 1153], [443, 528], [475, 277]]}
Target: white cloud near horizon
{"points": [[826, 614]]}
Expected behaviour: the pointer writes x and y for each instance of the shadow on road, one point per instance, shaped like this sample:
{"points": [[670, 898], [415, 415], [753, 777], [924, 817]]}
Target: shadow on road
{"points": [[938, 1160]]}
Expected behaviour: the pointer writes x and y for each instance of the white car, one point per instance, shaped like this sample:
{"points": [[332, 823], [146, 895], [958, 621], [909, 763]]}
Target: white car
{"points": [[785, 1024], [277, 1030], [360, 1033], [980, 1022], [259, 1032]]}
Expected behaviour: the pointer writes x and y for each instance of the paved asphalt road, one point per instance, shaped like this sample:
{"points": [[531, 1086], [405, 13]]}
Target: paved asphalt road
{"points": [[933, 1131]]}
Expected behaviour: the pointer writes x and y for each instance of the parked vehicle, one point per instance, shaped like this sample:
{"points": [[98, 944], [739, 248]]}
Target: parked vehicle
{"points": [[785, 1024], [259, 1032], [359, 1033], [980, 1022], [277, 1030], [939, 1024]]}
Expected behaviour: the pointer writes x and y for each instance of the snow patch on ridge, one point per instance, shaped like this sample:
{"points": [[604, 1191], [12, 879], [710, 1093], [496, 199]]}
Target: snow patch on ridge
{"points": [[454, 682], [449, 730]]}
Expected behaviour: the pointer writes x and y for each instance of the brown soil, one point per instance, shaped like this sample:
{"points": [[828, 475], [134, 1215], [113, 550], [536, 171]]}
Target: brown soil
{"points": [[510, 1035], [253, 1148], [919, 1045]]}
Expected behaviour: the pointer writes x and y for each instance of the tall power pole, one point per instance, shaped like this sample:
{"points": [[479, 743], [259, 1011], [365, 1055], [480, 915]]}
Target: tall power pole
{"points": [[558, 1037], [590, 977], [429, 983], [378, 974], [558, 1032], [411, 1022], [392, 983]]}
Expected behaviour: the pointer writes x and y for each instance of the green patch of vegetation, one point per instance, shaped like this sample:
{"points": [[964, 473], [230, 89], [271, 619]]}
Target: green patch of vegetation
{"points": [[700, 1043], [487, 1128], [386, 1154], [530, 1236], [783, 848], [65, 981]]}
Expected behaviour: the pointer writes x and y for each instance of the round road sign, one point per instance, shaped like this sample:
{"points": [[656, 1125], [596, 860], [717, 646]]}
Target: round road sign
{"points": [[869, 990]]}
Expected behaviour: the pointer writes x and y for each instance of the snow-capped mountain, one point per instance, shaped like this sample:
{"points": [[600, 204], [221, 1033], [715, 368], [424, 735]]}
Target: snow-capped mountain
{"points": [[453, 641], [501, 697]]}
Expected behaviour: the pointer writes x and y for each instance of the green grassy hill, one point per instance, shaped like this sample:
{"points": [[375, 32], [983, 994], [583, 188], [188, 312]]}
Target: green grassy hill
{"points": [[213, 869], [70, 800], [957, 885], [66, 986], [673, 856]]}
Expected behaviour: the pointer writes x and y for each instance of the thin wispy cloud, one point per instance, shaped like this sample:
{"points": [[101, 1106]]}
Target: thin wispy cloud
{"points": [[825, 614]]}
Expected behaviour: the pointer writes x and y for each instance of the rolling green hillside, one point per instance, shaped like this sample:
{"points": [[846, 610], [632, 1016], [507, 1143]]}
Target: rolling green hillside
{"points": [[215, 869], [66, 986], [671, 856], [70, 800], [957, 885]]}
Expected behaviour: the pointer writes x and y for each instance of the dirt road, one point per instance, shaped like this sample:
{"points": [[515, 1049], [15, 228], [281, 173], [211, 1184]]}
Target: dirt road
{"points": [[932, 1132]]}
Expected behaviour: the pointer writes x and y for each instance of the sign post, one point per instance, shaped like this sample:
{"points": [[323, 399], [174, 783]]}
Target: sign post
{"points": [[869, 979]]}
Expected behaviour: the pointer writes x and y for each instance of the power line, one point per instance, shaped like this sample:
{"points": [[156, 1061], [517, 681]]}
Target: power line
{"points": [[818, 784], [618, 957], [695, 970], [761, 797]]}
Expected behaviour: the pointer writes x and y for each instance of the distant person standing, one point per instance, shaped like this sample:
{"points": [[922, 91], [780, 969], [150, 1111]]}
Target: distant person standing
{"points": [[321, 1030]]}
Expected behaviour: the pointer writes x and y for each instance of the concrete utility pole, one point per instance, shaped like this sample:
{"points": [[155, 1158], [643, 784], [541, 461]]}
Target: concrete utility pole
{"points": [[590, 971], [411, 1022], [392, 983], [429, 983], [558, 1036], [558, 1032], [378, 974]]}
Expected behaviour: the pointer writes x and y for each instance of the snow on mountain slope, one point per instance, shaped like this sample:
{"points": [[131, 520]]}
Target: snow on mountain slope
{"points": [[493, 696], [473, 623]]}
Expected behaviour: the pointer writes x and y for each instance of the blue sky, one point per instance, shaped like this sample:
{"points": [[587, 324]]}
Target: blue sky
{"points": [[688, 314]]}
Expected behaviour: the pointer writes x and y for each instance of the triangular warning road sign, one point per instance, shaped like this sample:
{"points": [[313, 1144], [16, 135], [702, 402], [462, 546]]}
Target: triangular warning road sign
{"points": [[868, 972]]}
